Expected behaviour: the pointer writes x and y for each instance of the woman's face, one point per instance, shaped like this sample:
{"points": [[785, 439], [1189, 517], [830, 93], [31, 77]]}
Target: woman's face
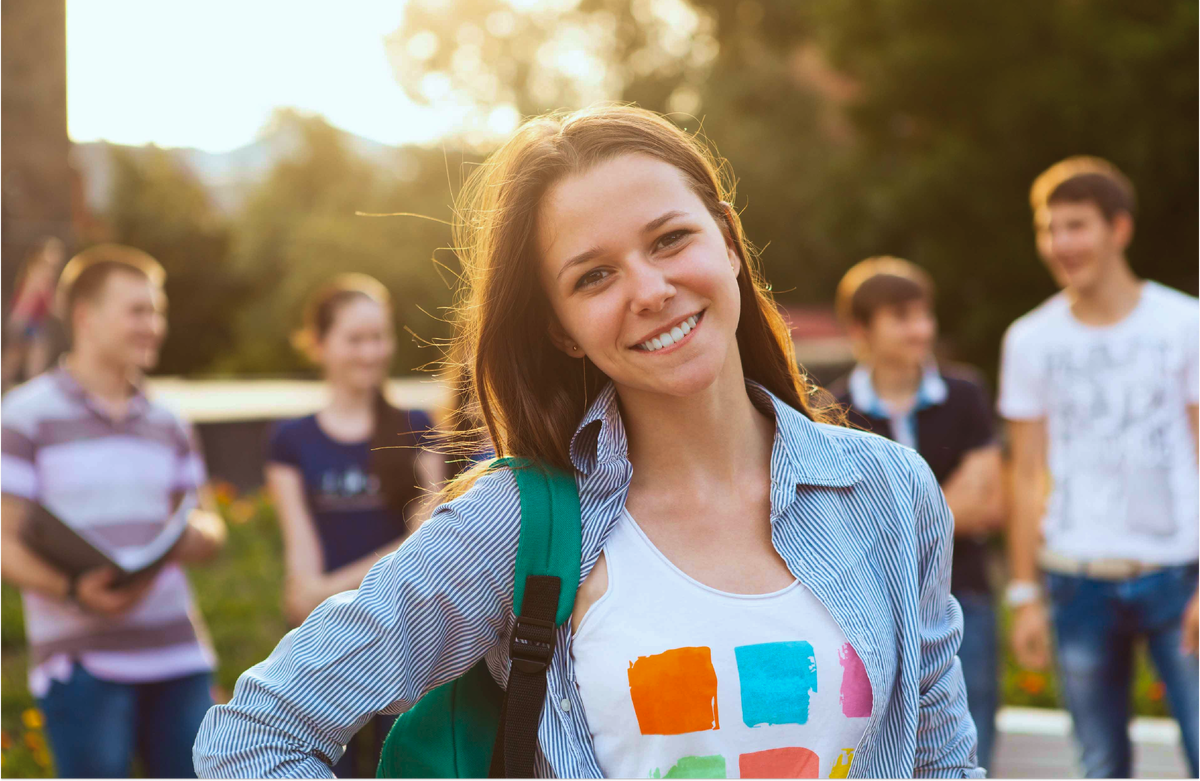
{"points": [[357, 348], [640, 276]]}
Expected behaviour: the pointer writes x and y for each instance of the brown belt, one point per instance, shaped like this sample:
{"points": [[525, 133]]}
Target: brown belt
{"points": [[1097, 569]]}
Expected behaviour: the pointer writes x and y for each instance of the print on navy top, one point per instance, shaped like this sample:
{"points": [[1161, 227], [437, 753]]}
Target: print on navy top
{"points": [[344, 496]]}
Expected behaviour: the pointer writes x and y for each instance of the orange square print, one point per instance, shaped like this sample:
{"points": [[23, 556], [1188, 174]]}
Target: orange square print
{"points": [[780, 763], [674, 692]]}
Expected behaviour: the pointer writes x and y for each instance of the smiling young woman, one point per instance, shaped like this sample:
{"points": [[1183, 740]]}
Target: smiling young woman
{"points": [[761, 592]]}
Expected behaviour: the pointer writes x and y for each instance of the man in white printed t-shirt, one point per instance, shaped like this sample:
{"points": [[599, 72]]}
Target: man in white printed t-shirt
{"points": [[117, 669], [1100, 387]]}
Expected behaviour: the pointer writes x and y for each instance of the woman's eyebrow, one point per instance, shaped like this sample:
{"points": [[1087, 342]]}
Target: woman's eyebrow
{"points": [[658, 222], [582, 257]]}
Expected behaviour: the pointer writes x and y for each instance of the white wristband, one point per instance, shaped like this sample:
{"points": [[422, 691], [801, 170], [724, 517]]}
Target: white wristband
{"points": [[1022, 592]]}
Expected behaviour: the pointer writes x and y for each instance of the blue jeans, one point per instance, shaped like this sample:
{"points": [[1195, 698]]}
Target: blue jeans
{"points": [[979, 663], [95, 726], [1096, 626]]}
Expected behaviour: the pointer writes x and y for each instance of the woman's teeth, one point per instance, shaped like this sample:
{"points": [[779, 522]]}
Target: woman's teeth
{"points": [[668, 338]]}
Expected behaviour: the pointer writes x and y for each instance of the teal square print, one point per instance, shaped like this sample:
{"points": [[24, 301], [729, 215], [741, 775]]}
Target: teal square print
{"points": [[777, 680]]}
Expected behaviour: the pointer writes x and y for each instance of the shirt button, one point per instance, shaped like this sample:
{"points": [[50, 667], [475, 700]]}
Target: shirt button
{"points": [[565, 705]]}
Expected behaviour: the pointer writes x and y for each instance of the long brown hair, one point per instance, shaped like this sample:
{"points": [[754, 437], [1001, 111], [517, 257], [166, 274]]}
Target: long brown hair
{"points": [[393, 456], [528, 394]]}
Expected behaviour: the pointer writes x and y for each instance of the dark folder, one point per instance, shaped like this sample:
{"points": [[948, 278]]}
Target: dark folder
{"points": [[70, 550]]}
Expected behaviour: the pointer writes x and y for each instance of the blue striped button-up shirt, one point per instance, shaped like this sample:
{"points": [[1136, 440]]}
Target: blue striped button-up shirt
{"points": [[858, 519]]}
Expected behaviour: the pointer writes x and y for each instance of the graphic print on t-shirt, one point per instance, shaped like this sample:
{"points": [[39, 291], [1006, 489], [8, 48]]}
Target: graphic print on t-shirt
{"points": [[675, 692], [347, 489], [1113, 424], [856, 687], [680, 680], [776, 680]]}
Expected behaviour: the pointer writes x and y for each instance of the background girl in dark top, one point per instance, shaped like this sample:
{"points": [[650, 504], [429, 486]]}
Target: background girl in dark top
{"points": [[898, 391], [350, 482]]}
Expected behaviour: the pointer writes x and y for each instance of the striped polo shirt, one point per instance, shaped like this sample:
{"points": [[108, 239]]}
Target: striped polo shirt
{"points": [[115, 482]]}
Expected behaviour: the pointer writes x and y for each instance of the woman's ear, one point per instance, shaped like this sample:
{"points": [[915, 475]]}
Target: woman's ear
{"points": [[729, 229], [560, 339]]}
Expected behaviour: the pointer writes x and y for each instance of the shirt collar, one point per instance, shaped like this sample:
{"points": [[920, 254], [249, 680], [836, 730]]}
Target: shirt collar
{"points": [[138, 403], [930, 393], [804, 453]]}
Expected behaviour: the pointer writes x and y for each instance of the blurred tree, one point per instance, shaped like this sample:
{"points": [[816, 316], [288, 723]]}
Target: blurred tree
{"points": [[959, 105], [157, 205], [299, 227], [497, 60]]}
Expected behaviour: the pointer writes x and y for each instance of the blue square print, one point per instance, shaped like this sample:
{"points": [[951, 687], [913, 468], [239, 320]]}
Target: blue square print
{"points": [[776, 680]]}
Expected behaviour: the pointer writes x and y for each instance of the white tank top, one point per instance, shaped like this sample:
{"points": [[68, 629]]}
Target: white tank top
{"points": [[680, 680]]}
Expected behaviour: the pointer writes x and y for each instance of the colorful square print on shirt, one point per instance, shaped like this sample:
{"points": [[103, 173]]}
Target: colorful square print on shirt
{"points": [[776, 679], [793, 762], [856, 687], [674, 692], [695, 767]]}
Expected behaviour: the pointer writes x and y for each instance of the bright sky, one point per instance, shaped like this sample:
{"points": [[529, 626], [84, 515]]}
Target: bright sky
{"points": [[208, 74]]}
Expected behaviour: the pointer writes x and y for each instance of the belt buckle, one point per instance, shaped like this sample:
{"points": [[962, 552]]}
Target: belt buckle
{"points": [[1113, 569]]}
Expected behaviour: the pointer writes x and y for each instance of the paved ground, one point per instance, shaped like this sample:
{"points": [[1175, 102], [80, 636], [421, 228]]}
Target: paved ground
{"points": [[1037, 744]]}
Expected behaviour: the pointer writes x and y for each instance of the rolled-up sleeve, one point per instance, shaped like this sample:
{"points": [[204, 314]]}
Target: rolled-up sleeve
{"points": [[946, 738], [423, 615]]}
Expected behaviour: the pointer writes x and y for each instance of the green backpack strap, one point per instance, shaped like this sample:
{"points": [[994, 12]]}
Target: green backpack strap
{"points": [[544, 584], [466, 726]]}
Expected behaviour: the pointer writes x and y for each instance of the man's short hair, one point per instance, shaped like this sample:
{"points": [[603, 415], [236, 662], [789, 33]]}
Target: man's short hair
{"points": [[877, 282], [1087, 179], [85, 274]]}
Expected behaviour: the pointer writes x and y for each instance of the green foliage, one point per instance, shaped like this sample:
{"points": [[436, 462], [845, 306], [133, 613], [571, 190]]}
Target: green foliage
{"points": [[157, 205], [300, 226]]}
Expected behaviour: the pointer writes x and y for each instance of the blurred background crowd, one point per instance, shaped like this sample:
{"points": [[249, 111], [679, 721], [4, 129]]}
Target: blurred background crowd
{"points": [[257, 150]]}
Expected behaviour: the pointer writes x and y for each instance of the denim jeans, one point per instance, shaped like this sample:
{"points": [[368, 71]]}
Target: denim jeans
{"points": [[979, 663], [1096, 624], [96, 726]]}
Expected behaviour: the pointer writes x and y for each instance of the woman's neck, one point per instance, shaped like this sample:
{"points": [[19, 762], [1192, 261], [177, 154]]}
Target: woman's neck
{"points": [[716, 435], [347, 401], [896, 384]]}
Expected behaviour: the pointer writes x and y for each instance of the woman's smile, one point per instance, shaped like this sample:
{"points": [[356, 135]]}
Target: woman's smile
{"points": [[672, 337]]}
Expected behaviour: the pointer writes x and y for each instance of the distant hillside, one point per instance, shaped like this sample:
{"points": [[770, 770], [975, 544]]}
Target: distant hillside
{"points": [[227, 175]]}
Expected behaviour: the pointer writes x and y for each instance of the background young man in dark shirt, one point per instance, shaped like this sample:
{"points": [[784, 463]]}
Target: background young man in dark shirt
{"points": [[898, 391]]}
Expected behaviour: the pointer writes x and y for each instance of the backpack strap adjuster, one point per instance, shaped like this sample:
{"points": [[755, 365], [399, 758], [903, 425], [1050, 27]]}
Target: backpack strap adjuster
{"points": [[532, 644]]}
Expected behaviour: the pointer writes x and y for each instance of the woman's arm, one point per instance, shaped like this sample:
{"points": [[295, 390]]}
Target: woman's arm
{"points": [[424, 614], [973, 492], [946, 737], [304, 564]]}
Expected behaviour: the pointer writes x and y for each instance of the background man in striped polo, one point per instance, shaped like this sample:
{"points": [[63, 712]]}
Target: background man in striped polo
{"points": [[116, 668]]}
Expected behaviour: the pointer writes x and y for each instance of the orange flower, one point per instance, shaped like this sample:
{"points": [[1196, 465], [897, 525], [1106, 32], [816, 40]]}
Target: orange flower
{"points": [[34, 740], [1032, 683], [32, 718], [241, 510], [224, 492], [42, 757], [5, 740], [1156, 690]]}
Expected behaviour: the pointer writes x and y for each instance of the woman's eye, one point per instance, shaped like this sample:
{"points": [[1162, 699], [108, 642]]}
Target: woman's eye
{"points": [[672, 238], [593, 277]]}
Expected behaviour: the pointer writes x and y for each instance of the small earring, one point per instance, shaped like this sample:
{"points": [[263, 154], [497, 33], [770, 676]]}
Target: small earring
{"points": [[574, 348]]}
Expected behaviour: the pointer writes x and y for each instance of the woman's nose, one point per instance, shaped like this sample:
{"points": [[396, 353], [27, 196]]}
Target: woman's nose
{"points": [[651, 288]]}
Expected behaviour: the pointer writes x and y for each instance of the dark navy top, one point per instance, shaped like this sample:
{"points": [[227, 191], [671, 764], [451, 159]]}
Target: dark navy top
{"points": [[948, 424], [343, 493]]}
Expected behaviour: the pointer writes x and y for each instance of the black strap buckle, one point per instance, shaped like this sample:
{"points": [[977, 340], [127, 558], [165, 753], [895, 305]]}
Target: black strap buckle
{"points": [[532, 644]]}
